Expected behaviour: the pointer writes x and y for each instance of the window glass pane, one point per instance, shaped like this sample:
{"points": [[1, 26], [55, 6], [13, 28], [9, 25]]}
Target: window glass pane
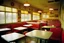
{"points": [[8, 17], [14, 17], [22, 17], [2, 8], [34, 17], [22, 11], [26, 17], [26, 12], [8, 9], [14, 10], [44, 15], [2, 17], [29, 16], [38, 16]]}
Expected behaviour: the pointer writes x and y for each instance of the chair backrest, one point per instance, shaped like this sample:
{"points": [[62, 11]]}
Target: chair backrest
{"points": [[56, 33]]}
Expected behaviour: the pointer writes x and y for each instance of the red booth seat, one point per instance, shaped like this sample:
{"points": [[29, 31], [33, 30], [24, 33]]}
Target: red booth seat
{"points": [[5, 26], [63, 37], [17, 25], [57, 32], [56, 23], [35, 26]]}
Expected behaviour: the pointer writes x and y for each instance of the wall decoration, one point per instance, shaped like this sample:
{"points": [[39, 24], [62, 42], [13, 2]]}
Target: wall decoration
{"points": [[12, 3]]}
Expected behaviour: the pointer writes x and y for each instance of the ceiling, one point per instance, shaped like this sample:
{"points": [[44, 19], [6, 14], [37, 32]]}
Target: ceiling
{"points": [[40, 4]]}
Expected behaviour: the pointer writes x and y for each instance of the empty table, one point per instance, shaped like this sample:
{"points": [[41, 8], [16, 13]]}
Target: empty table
{"points": [[47, 27], [20, 28], [28, 25], [39, 34], [4, 30], [12, 36]]}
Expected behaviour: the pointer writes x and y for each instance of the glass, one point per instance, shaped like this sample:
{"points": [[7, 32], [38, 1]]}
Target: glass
{"points": [[8, 9], [2, 8], [22, 17], [2, 17], [14, 10], [8, 17], [14, 17]]}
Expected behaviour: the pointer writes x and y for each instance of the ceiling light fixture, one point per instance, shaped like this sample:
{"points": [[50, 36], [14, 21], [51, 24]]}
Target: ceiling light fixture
{"points": [[39, 11], [51, 9], [26, 4]]}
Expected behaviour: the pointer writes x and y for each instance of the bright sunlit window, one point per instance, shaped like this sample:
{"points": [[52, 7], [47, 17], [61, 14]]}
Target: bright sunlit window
{"points": [[2, 8], [2, 17], [36, 16], [8, 9], [8, 15], [25, 16], [45, 15], [14, 10], [14, 17]]}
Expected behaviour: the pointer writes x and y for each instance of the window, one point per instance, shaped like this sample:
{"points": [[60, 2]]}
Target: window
{"points": [[14, 17], [2, 8], [8, 9], [14, 10], [25, 16], [36, 16], [22, 17], [8, 15], [2, 18], [45, 15]]}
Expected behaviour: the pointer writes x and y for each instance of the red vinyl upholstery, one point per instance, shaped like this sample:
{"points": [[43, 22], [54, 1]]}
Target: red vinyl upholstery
{"points": [[63, 37], [56, 33], [35, 26]]}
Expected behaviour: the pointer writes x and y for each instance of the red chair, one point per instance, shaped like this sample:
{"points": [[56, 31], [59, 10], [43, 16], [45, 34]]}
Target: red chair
{"points": [[57, 32], [63, 37]]}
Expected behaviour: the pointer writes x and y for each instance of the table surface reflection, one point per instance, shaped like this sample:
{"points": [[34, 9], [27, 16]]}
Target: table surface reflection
{"points": [[39, 34], [12, 36], [20, 28], [4, 29]]}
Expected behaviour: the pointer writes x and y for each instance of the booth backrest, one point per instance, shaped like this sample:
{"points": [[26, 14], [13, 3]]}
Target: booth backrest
{"points": [[57, 32], [62, 36]]}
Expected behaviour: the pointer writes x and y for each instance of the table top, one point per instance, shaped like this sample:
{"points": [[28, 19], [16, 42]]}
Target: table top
{"points": [[35, 22], [48, 26], [12, 36], [20, 28], [39, 34], [4, 29], [28, 25]]}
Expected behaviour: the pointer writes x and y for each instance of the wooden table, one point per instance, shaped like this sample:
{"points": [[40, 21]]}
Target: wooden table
{"points": [[39, 34], [12, 36]]}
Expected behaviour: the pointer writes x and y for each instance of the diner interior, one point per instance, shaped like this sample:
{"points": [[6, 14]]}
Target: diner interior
{"points": [[31, 21]]}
